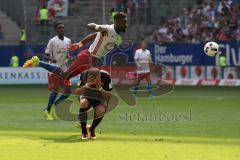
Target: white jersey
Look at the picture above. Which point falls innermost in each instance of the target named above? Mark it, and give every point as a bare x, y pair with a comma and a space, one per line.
102, 45
142, 59
56, 49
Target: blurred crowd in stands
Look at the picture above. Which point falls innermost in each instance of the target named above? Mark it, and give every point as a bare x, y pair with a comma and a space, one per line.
215, 20
1, 34
58, 8
48, 10
208, 20
128, 6
131, 6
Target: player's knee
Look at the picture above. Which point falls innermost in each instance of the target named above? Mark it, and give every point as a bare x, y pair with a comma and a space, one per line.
100, 111
84, 103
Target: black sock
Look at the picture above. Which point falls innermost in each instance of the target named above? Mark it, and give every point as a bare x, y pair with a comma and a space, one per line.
95, 123
83, 119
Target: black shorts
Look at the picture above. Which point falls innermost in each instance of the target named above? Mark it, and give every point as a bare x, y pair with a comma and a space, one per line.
93, 102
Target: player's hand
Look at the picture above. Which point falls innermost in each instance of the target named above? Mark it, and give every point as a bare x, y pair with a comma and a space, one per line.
98, 83
74, 46
89, 84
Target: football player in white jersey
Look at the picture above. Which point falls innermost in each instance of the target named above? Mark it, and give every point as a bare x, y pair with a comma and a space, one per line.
56, 54
143, 61
104, 41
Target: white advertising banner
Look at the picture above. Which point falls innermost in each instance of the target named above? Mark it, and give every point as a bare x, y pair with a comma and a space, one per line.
182, 72
231, 73
186, 82
213, 72
23, 76
197, 72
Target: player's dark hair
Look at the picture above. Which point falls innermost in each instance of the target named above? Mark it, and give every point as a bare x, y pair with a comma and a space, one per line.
119, 16
57, 23
112, 10
93, 72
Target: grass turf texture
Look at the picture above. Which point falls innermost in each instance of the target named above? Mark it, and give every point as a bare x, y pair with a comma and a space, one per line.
191, 123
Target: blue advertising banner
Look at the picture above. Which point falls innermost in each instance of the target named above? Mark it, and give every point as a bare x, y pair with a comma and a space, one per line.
180, 54
192, 54
170, 54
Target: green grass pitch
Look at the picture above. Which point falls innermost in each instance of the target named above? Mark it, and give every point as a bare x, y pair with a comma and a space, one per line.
191, 123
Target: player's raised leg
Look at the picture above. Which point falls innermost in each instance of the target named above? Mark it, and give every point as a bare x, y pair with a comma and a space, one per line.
83, 61
35, 62
81, 64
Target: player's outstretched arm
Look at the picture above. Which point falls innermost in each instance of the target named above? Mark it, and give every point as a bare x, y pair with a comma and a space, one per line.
84, 41
98, 28
81, 90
